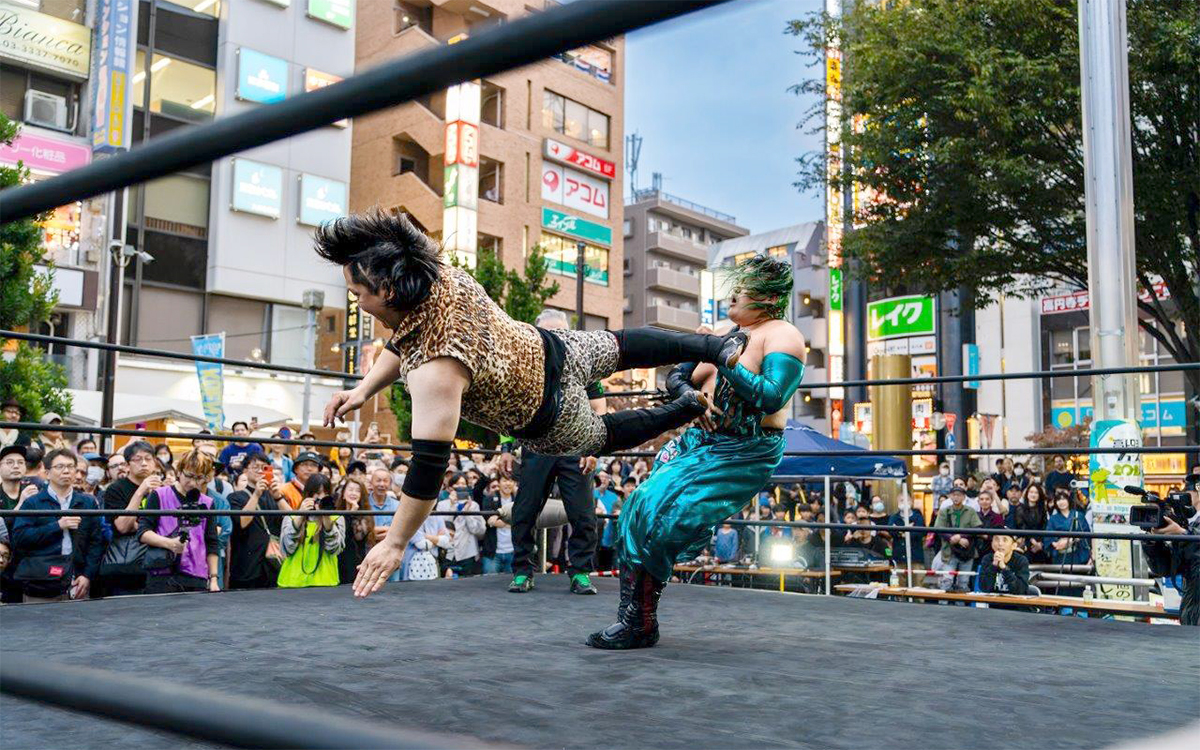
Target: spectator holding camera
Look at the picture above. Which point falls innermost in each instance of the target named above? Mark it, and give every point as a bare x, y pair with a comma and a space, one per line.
311, 543
1067, 517
306, 464
14, 491
121, 571
254, 555
1004, 570
1182, 559
463, 555
188, 557
59, 556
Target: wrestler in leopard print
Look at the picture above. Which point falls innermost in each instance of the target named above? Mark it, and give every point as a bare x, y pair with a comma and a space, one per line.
438, 311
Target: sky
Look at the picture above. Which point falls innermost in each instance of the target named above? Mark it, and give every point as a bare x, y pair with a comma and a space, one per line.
709, 95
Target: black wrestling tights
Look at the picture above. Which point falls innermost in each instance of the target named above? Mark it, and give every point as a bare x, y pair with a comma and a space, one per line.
632, 427
654, 347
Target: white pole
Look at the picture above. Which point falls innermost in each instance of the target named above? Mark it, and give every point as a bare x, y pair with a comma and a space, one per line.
1108, 181
828, 519
310, 352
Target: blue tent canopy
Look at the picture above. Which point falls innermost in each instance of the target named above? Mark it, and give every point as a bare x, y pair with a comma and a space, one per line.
801, 437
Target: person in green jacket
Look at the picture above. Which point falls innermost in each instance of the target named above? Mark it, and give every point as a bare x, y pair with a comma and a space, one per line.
958, 550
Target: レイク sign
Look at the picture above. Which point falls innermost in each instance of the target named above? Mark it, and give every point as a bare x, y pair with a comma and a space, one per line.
570, 155
257, 188
573, 226
900, 316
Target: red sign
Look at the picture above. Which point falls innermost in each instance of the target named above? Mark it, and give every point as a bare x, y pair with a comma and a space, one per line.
1065, 303
571, 155
462, 144
951, 418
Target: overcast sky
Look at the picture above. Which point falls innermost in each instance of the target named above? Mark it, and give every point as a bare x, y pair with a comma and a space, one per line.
708, 94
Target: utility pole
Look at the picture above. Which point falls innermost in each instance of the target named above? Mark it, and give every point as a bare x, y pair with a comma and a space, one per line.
579, 274
312, 301
1108, 179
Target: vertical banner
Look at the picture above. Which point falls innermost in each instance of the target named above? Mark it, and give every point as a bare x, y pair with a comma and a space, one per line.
461, 177
212, 378
1109, 474
113, 59
970, 360
351, 333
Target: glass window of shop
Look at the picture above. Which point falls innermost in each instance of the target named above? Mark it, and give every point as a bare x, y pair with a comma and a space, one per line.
562, 252
166, 318
178, 89
595, 61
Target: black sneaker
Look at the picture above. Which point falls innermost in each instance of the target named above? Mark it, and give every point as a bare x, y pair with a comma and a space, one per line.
521, 584
581, 584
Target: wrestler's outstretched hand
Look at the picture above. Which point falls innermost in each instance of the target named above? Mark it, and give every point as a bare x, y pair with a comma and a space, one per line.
340, 404
383, 560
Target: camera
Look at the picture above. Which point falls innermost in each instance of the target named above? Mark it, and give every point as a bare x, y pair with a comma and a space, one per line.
329, 502
1176, 506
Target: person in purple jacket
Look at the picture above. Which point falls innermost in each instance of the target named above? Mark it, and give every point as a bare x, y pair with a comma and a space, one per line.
191, 539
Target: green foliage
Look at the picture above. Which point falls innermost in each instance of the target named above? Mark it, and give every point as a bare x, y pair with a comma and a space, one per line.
527, 294
401, 405
491, 274
26, 300
971, 141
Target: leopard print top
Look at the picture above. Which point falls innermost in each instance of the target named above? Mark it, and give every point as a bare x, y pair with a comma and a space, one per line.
505, 359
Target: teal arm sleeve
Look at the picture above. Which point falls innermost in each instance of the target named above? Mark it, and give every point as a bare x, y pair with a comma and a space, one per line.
771, 389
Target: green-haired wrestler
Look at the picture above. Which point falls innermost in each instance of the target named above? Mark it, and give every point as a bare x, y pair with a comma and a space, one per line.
706, 475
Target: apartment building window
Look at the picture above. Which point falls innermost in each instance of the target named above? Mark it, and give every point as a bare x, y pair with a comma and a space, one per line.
492, 107
595, 61
573, 119
741, 258
409, 15
629, 227
491, 180
778, 251
58, 99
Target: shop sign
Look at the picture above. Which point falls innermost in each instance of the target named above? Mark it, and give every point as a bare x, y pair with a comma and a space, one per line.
573, 226
44, 41
340, 13
261, 78
257, 188
561, 152
116, 40
321, 199
574, 189
900, 316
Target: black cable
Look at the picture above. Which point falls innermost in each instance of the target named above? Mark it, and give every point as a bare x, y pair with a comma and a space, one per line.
525, 41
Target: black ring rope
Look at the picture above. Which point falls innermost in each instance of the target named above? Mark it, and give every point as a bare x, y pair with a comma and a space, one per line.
978, 531
525, 41
236, 720
37, 427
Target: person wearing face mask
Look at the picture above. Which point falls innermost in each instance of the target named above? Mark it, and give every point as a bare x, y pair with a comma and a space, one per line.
1020, 477
906, 515
942, 482
990, 517
463, 555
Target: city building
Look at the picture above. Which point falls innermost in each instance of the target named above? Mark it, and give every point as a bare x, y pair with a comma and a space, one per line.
222, 247
667, 243
804, 245
531, 156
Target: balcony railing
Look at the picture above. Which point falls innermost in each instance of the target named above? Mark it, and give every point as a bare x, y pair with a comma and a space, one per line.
673, 281
651, 193
678, 246
672, 317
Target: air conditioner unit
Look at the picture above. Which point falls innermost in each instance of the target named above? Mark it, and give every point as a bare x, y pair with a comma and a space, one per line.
46, 110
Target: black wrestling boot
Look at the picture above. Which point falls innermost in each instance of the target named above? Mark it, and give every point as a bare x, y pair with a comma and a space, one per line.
655, 347
637, 614
632, 427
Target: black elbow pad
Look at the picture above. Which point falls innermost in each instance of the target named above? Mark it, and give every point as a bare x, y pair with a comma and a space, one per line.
429, 462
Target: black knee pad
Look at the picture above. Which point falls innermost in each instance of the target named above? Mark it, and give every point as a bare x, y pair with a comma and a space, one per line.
425, 471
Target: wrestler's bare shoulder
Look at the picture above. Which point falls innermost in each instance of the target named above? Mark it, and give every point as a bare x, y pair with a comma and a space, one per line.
782, 336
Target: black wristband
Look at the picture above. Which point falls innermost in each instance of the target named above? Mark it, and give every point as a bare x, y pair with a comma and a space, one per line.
430, 458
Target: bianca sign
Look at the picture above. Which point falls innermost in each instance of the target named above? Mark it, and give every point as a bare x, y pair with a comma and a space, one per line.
44, 41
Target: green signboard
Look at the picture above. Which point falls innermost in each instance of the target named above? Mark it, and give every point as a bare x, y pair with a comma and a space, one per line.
897, 317
337, 12
835, 289
573, 226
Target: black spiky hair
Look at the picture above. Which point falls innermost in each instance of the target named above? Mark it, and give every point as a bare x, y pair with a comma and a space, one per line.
385, 253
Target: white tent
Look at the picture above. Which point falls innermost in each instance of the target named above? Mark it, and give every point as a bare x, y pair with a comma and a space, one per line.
134, 407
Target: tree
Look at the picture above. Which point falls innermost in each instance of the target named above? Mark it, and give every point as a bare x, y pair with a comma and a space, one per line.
525, 298
26, 300
968, 138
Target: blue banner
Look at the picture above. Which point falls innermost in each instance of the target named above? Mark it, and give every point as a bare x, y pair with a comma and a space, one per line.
261, 78
212, 378
971, 363
113, 59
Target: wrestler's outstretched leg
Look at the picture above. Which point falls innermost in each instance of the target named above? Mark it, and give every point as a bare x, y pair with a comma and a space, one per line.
655, 347
637, 612
630, 428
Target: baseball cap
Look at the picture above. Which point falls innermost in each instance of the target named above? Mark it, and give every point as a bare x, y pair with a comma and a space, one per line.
958, 491
307, 456
8, 449
50, 416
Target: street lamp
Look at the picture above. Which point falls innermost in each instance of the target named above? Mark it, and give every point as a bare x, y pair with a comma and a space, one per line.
312, 300
120, 254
